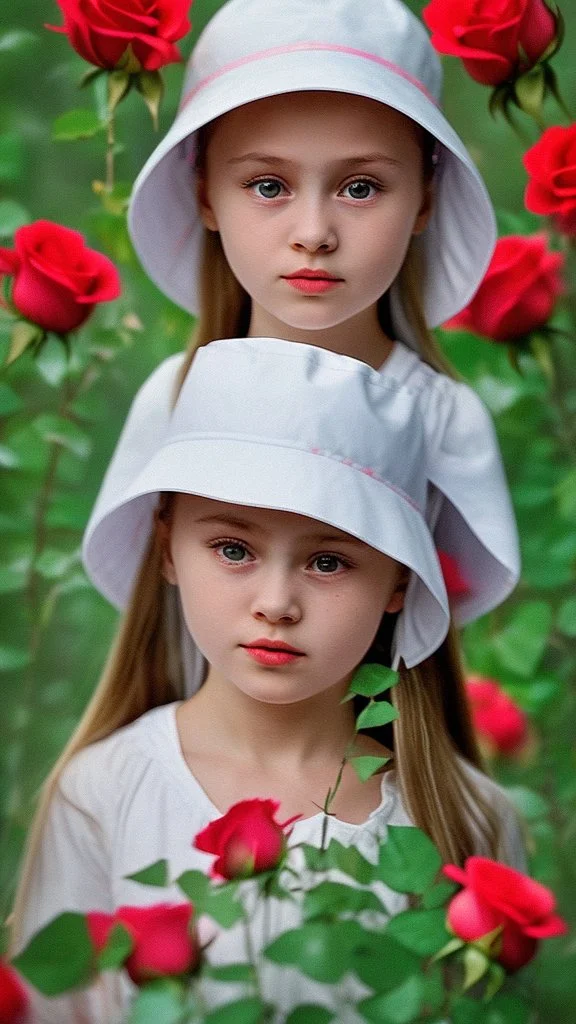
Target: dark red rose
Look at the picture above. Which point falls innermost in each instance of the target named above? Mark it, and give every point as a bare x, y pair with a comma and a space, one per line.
500, 723
164, 941
494, 896
497, 40
102, 30
551, 164
247, 839
519, 290
13, 998
58, 280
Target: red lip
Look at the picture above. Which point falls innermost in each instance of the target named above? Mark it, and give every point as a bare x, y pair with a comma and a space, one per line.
312, 275
272, 645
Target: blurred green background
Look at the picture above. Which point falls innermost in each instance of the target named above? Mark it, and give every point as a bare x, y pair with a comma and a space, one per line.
56, 630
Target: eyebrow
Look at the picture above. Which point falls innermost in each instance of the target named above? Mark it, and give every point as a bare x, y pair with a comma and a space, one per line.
244, 524
363, 158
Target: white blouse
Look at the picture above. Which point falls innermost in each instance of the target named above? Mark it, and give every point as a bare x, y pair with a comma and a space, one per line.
130, 800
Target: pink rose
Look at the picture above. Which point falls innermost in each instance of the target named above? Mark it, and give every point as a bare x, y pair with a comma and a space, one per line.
497, 40
551, 164
495, 716
58, 280
164, 941
13, 998
247, 839
494, 896
518, 292
102, 30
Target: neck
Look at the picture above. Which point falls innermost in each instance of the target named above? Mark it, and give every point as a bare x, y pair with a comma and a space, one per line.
361, 337
261, 733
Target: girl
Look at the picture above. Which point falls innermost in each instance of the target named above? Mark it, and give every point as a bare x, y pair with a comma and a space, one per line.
311, 189
280, 521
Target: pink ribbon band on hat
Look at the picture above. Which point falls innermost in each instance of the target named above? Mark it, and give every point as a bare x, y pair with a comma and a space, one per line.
277, 51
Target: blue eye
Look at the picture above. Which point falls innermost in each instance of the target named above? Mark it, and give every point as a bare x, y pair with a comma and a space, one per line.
361, 189
268, 188
233, 552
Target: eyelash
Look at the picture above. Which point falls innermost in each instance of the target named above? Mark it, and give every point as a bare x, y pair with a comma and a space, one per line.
266, 177
222, 542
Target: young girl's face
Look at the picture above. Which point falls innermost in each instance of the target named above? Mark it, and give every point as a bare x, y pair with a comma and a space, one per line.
250, 578
314, 181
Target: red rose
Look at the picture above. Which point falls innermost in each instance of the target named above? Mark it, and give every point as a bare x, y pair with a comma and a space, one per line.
518, 292
551, 163
13, 998
496, 718
495, 895
102, 30
497, 40
164, 942
57, 279
247, 839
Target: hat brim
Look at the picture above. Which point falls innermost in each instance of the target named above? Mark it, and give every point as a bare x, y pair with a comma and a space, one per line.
163, 217
365, 507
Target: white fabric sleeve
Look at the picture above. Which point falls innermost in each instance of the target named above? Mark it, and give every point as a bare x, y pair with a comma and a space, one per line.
71, 872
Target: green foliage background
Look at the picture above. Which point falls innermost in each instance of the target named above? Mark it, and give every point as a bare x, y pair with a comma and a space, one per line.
59, 427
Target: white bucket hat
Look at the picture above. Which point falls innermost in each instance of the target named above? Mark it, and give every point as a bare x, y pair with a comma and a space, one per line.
252, 49
328, 437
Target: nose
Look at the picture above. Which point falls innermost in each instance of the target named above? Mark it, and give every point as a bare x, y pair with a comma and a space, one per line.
313, 230
276, 600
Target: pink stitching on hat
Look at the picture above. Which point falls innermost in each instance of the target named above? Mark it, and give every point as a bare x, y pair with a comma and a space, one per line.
368, 471
277, 51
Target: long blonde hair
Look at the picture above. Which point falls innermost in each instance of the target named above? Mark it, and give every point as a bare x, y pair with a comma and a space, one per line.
433, 733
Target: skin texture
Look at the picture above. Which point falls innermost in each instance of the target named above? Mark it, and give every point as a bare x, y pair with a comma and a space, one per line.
310, 199
276, 728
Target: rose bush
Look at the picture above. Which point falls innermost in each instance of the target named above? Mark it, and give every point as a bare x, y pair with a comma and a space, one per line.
13, 998
246, 840
164, 941
497, 896
58, 280
519, 291
497, 40
500, 723
551, 164
101, 31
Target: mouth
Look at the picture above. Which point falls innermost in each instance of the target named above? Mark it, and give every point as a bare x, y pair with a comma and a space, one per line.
311, 275
272, 652
312, 282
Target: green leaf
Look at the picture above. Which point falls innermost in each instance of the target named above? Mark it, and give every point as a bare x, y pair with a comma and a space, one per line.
222, 905
331, 898
566, 617
230, 972
195, 885
467, 1011
243, 1011
382, 963
522, 642
366, 766
119, 83
321, 950
507, 1008
59, 957
310, 1013
400, 1006
350, 861
52, 362
11, 155
158, 1002
8, 458
476, 964
438, 894
117, 949
151, 86
17, 40
12, 658
22, 336
376, 713
372, 679
566, 496
531, 805
409, 861
53, 564
316, 859
58, 430
76, 124
10, 401
422, 931
154, 874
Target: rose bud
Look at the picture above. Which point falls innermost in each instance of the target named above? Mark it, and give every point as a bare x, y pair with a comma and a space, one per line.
13, 998
58, 280
519, 290
246, 840
551, 164
497, 896
164, 942
101, 31
497, 40
500, 723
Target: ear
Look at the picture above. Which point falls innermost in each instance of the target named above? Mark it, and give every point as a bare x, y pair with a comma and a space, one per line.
396, 602
207, 215
163, 539
425, 211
